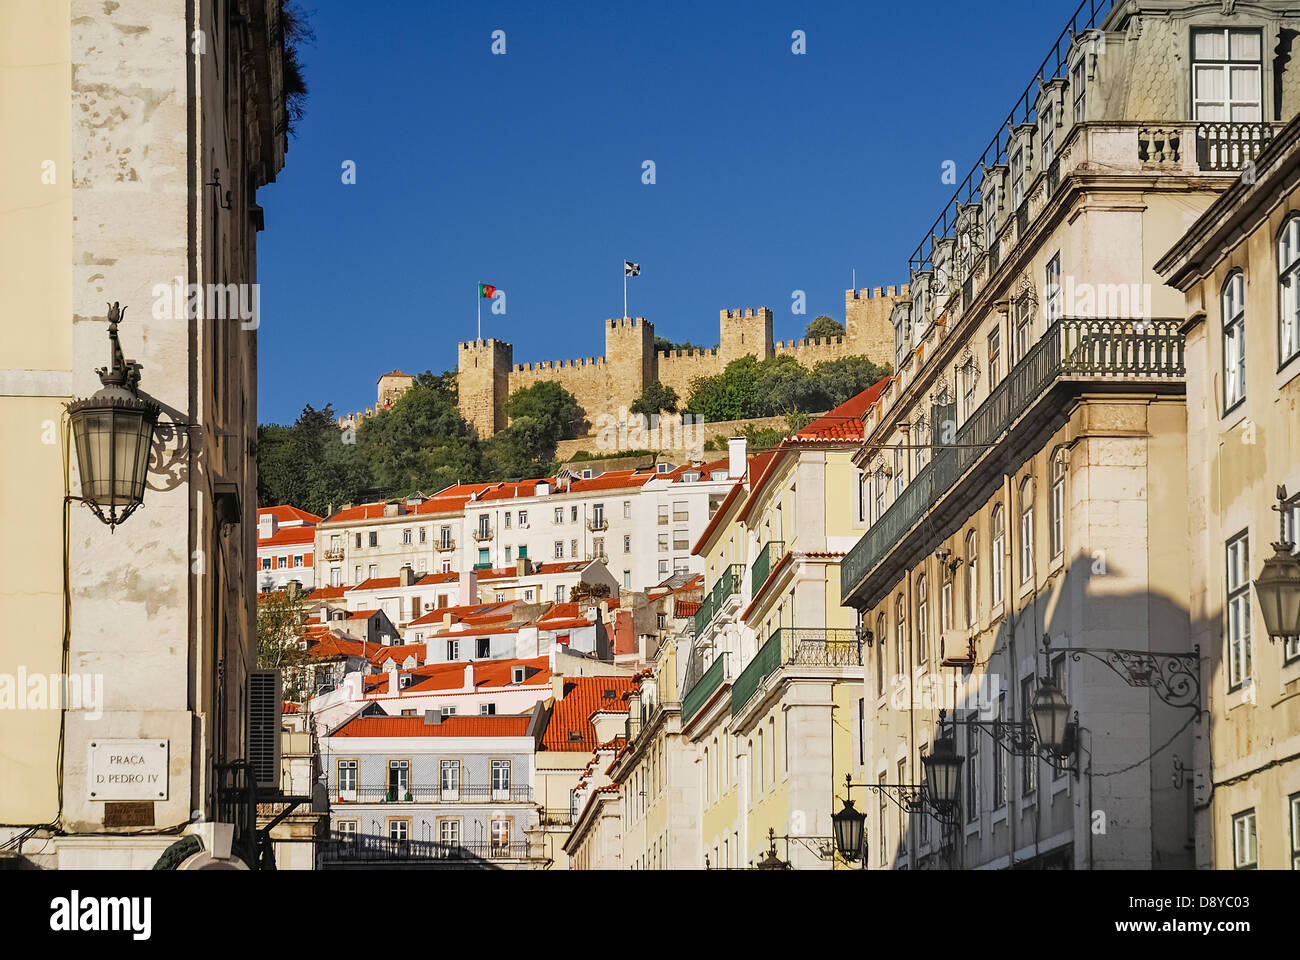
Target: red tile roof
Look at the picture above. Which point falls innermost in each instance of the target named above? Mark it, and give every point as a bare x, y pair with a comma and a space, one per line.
288, 514
330, 647
844, 423
287, 536
582, 697
288, 706
450, 677
327, 593
450, 727
686, 608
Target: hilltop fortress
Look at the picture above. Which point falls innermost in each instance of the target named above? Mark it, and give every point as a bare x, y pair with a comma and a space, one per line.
487, 373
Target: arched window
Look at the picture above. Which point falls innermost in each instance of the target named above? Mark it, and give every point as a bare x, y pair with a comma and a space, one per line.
922, 623
1056, 505
900, 635
1233, 304
1288, 301
880, 655
1027, 530
972, 581
998, 526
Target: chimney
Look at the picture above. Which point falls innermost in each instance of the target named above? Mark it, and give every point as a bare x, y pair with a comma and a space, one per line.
522, 567
446, 621
406, 577
324, 613
736, 458
469, 676
266, 526
432, 717
394, 687
468, 588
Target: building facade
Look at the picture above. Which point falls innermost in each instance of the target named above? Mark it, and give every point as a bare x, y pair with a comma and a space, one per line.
286, 539
138, 135
1026, 469
1237, 267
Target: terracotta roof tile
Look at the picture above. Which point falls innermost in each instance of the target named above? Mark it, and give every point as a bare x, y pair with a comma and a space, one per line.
456, 726
582, 697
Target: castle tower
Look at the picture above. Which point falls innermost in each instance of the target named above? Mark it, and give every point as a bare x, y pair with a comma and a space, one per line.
483, 383
867, 329
390, 387
747, 333
630, 355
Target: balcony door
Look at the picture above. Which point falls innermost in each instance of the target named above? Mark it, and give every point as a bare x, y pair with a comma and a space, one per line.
450, 779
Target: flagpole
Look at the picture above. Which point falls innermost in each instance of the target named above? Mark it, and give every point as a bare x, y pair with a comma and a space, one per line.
478, 300
624, 289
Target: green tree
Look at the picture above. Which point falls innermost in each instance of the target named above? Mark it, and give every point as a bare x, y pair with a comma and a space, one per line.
655, 398
846, 377
823, 327
555, 408
309, 464
729, 395
281, 616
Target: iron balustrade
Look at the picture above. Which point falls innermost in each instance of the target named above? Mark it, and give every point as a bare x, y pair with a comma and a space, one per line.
1228, 146
482, 533
345, 847
703, 688
763, 565
796, 646
1070, 349
434, 793
726, 586
766, 661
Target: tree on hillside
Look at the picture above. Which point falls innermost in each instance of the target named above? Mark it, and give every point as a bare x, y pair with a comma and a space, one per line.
823, 327
844, 378
729, 395
552, 406
654, 399
281, 616
664, 345
308, 464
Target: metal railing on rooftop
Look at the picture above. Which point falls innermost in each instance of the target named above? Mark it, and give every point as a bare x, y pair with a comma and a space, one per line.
1070, 349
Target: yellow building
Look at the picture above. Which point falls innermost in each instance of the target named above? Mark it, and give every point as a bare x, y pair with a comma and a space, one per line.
1239, 267
774, 677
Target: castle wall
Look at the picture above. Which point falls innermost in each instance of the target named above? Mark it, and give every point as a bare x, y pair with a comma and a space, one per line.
588, 379
679, 368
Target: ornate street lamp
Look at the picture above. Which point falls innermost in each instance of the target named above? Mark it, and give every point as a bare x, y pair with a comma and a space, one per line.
849, 831
770, 861
113, 434
942, 774
1050, 713
1277, 588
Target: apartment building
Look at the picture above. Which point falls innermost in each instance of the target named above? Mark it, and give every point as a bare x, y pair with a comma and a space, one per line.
775, 667
1025, 471
431, 791
639, 523
129, 176
286, 538
1238, 268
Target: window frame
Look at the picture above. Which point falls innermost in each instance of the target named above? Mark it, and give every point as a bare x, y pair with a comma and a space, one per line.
1288, 277
1233, 330
1237, 609
1238, 820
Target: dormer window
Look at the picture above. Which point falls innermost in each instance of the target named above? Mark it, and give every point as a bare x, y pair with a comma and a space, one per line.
517, 675
608, 695
662, 467
403, 682
718, 475
690, 476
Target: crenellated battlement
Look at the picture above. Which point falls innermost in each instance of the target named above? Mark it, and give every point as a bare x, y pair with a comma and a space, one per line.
757, 313
877, 293
558, 364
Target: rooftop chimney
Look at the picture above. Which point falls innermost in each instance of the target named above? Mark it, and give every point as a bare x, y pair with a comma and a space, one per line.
394, 687
406, 576
266, 526
736, 458
469, 676
468, 588
523, 567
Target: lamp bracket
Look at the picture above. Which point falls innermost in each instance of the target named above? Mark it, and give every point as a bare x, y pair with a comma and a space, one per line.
1173, 677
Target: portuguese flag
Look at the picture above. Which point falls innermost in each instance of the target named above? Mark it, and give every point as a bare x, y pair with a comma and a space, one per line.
487, 290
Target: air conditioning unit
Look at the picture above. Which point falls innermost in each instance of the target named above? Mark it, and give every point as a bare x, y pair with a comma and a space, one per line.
265, 701
428, 606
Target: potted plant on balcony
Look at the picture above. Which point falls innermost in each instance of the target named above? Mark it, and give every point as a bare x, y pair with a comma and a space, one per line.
407, 798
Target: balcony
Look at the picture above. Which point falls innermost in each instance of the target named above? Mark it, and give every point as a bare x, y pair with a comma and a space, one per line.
699, 692
482, 533
444, 545
763, 564
426, 793
333, 553
726, 587
1103, 354
597, 523
795, 646
1230, 146
352, 848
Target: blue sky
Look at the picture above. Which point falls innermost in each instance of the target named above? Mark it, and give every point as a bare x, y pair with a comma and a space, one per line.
775, 172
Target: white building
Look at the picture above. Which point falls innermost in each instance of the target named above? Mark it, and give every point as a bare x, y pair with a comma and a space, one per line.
285, 547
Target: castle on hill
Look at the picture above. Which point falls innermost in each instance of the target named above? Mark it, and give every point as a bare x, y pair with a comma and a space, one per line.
488, 375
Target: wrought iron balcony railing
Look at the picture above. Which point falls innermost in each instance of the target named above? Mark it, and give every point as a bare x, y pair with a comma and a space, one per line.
700, 691
434, 793
763, 564
333, 553
597, 523
482, 533
1071, 349
802, 646
448, 544
343, 848
726, 586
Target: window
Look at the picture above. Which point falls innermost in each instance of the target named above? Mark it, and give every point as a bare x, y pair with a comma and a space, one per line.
406, 535
681, 540
945, 600
923, 819
1238, 627
500, 779
1233, 303
995, 356
347, 779
1226, 72
453, 649
991, 217
573, 548
523, 521
997, 524
1000, 762
1295, 830
449, 832
663, 569
399, 778
627, 583
500, 835
972, 770
444, 538
282, 563
1079, 88
880, 493
1027, 530
598, 546
523, 551
862, 730
883, 812
297, 560
1023, 327
266, 563
1017, 178
1029, 764
348, 832
681, 511
373, 571
968, 374
358, 540
899, 463
506, 523
663, 514
972, 581
1056, 506
482, 648
1245, 852
922, 451
922, 623
336, 577
356, 574
597, 515
559, 549
559, 598
1288, 271
424, 534
559, 514
627, 543
1052, 289
1291, 534
399, 831
1047, 132
900, 635
449, 779
374, 539
627, 509
573, 513
528, 596
880, 655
